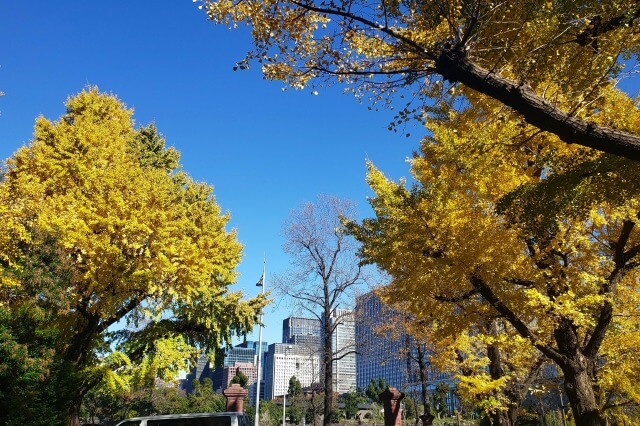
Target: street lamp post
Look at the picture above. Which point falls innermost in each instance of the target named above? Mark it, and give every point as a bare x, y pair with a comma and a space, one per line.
262, 283
284, 396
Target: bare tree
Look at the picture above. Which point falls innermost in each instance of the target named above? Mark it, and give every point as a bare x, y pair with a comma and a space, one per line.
325, 267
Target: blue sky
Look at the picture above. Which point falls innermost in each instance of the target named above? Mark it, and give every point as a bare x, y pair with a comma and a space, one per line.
264, 150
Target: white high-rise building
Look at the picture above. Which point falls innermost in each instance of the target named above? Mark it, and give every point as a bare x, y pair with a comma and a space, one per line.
284, 361
343, 345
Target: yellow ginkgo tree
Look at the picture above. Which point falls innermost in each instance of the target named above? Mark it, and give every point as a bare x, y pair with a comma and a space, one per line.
505, 222
144, 249
545, 60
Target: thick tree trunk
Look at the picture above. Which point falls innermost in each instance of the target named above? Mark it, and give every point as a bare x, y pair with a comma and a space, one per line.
578, 384
576, 363
496, 370
74, 414
578, 376
501, 418
75, 358
328, 366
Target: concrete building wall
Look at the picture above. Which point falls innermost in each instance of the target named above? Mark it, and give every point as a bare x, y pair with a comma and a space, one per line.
248, 369
343, 345
284, 361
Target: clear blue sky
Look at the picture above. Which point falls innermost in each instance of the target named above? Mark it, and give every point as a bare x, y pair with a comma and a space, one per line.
264, 150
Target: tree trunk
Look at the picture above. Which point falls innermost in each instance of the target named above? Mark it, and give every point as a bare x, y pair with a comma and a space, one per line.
578, 385
496, 370
74, 413
75, 359
575, 362
500, 418
578, 376
328, 364
427, 418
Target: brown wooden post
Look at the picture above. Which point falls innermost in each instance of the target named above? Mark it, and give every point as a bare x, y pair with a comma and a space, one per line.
390, 400
235, 395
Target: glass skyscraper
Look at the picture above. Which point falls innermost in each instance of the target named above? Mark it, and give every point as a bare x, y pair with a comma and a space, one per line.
385, 350
302, 331
378, 356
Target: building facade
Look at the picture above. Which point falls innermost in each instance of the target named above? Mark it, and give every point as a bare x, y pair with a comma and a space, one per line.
243, 354
249, 369
343, 345
302, 331
385, 350
378, 356
239, 354
284, 361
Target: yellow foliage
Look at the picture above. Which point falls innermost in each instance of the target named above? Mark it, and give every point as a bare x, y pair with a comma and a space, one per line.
502, 212
138, 241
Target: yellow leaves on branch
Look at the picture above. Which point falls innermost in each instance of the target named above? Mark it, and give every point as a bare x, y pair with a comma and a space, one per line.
541, 224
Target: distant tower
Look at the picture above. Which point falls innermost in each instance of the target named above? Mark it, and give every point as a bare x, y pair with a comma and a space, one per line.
343, 345
378, 356
302, 331
284, 361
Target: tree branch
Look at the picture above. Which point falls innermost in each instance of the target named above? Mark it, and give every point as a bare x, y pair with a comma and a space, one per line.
598, 27
384, 29
455, 66
620, 258
488, 294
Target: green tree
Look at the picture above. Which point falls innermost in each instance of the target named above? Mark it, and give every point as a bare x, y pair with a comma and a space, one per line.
270, 413
240, 378
294, 413
139, 240
439, 398
351, 401
171, 400
29, 369
295, 399
203, 399
375, 388
295, 387
410, 410
529, 55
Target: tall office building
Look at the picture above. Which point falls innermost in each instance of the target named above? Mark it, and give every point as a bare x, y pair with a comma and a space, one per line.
378, 356
284, 361
244, 353
302, 331
239, 354
254, 346
306, 334
382, 345
252, 387
201, 370
343, 345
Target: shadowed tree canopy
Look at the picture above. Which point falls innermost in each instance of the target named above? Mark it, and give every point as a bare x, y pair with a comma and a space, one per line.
545, 61
138, 242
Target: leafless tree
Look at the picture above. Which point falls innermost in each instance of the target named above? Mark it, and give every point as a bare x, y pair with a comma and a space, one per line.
325, 269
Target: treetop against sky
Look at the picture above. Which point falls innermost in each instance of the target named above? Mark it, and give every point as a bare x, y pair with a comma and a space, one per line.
264, 150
